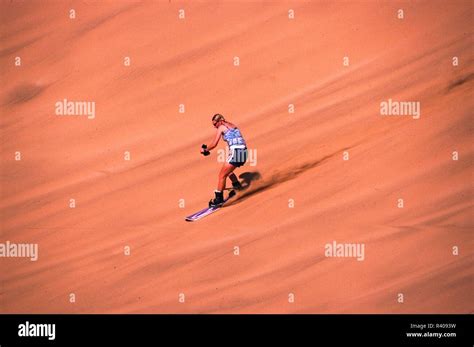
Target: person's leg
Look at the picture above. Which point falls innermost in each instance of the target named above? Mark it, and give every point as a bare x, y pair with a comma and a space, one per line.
237, 159
233, 178
235, 182
225, 171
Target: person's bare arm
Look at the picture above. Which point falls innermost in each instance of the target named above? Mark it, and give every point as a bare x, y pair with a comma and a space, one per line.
216, 139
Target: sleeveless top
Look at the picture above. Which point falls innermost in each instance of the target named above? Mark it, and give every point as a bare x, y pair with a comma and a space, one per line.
234, 138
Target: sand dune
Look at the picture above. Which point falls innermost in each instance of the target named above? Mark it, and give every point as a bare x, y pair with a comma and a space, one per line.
299, 156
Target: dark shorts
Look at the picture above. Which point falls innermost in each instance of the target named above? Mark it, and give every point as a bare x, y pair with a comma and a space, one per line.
237, 156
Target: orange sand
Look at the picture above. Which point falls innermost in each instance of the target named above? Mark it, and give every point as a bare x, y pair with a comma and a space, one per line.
300, 156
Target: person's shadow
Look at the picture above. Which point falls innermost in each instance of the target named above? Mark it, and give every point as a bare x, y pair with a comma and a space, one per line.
248, 177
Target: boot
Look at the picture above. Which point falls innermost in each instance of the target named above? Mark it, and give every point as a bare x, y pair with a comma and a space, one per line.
218, 200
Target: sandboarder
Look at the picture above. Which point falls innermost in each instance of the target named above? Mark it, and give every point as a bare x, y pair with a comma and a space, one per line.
237, 155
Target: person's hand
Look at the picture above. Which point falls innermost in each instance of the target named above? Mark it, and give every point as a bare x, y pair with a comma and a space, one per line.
204, 150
